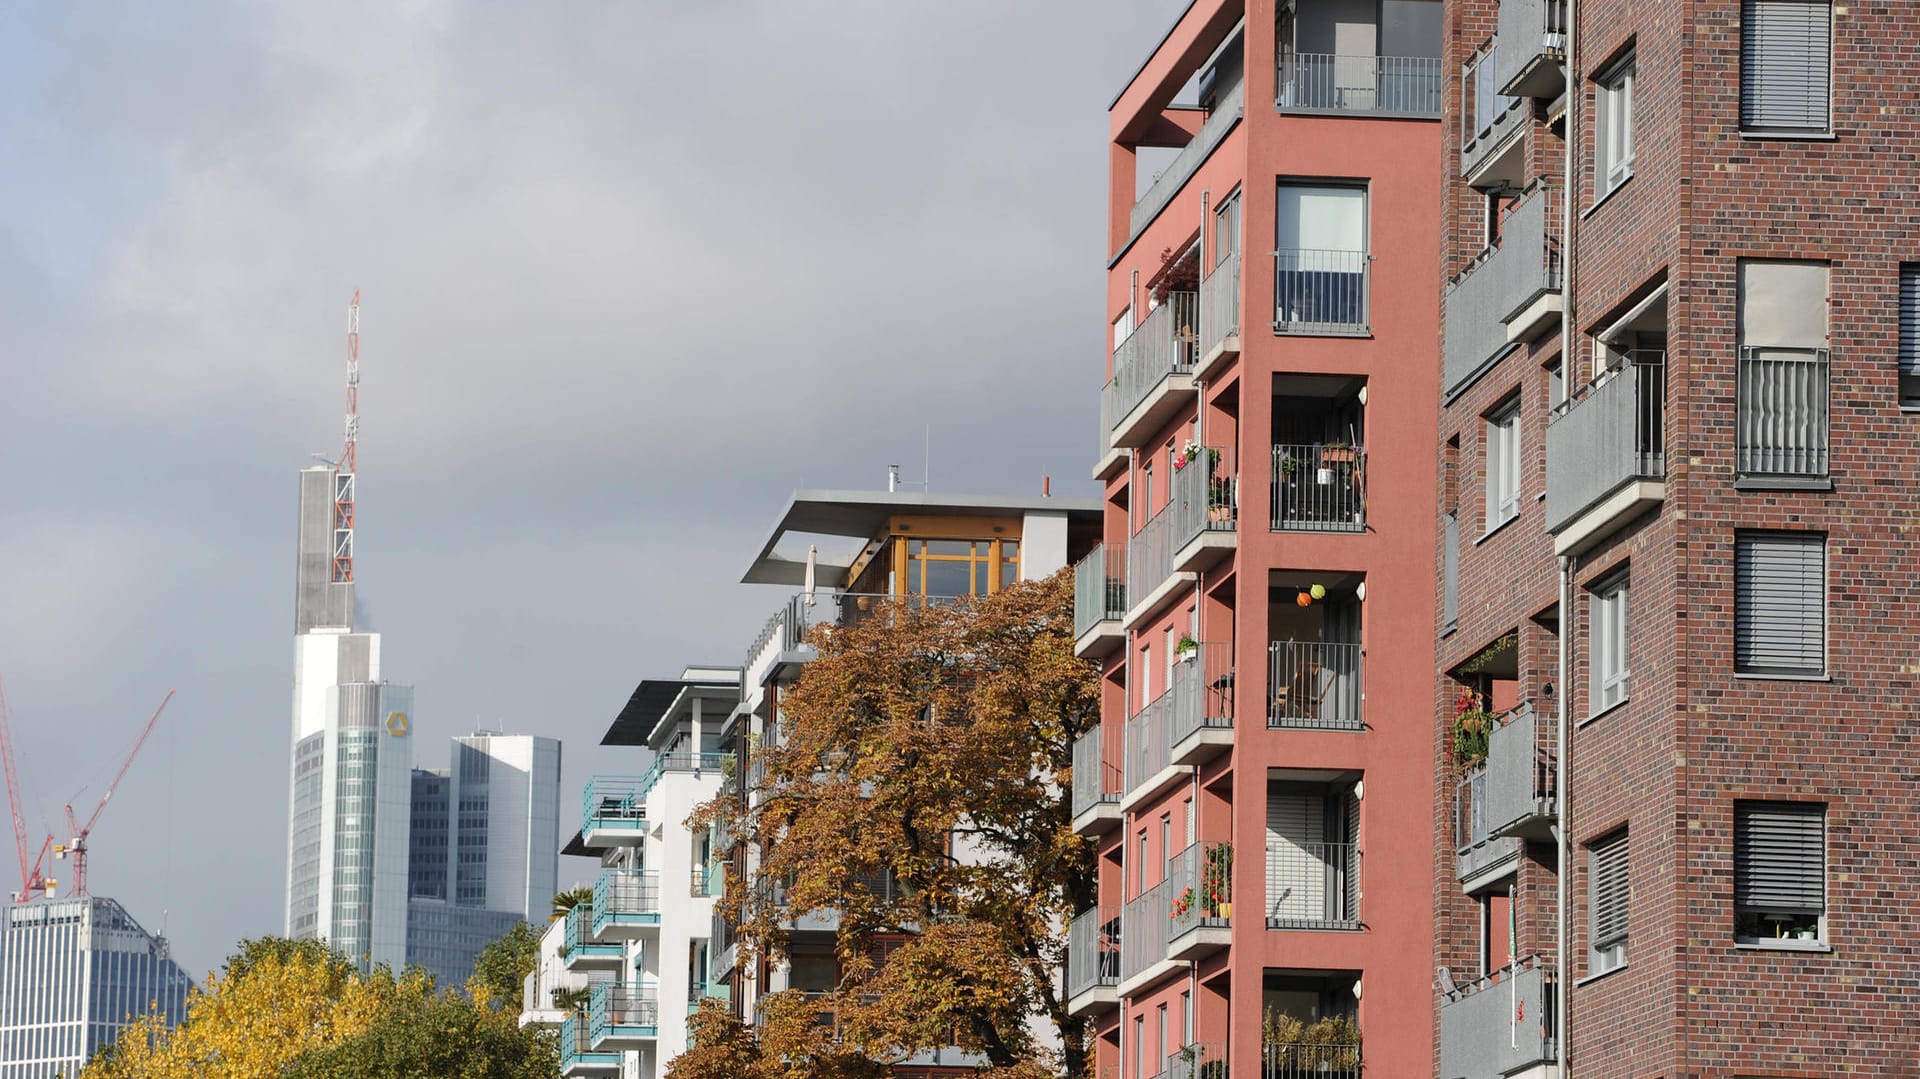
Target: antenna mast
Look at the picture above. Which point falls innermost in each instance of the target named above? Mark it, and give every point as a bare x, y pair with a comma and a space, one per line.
349, 454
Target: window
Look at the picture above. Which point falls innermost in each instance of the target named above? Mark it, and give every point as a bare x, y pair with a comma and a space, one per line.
1226, 229
1320, 260
1607, 901
1556, 385
1187, 811
1503, 464
1779, 873
1139, 1044
1780, 431
1168, 640
1780, 603
1608, 632
1146, 676
1186, 1017
1786, 58
1910, 335
956, 567
1122, 327
1162, 1018
1613, 127
1146, 492
1166, 842
1140, 877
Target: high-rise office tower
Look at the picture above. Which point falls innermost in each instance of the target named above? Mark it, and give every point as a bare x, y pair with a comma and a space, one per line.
72, 971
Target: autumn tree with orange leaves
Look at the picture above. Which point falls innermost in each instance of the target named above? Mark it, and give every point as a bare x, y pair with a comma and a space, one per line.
917, 784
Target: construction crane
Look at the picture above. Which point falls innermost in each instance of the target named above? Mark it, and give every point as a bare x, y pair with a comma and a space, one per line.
349, 454
31, 882
76, 847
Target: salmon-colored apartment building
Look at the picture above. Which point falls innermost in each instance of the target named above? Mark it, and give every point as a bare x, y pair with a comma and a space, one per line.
1263, 605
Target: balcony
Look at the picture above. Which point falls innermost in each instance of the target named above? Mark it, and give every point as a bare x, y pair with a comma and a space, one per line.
1147, 761
1153, 371
579, 950
1490, 142
777, 893
577, 1057
1316, 685
826, 1006
1096, 785
1200, 715
1205, 505
1509, 292
1143, 946
1197, 1060
722, 947
626, 903
1520, 779
1481, 856
613, 812
1312, 885
622, 1017
1501, 1024
1319, 488
1219, 317
1534, 62
1093, 961
1321, 292
1151, 579
709, 880
1199, 917
1606, 453
1100, 601
1230, 106
1303, 1060
1330, 83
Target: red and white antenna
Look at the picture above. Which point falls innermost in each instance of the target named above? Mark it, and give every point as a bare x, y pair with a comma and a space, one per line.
349, 454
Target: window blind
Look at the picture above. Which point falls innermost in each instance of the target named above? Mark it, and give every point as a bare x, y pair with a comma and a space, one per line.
1910, 318
1779, 856
1785, 58
1607, 866
1779, 602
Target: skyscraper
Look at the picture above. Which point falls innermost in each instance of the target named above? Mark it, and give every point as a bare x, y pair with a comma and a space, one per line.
72, 971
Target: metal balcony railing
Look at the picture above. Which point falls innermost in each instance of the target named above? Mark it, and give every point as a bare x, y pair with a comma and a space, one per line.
1319, 488
1501, 1024
1315, 684
621, 1011
625, 896
575, 1048
1093, 950
1197, 1060
1503, 282
1320, 291
1536, 35
1100, 587
577, 940
1306, 1061
1095, 780
613, 804
1521, 782
1312, 885
1205, 496
1199, 889
1220, 303
1140, 946
1150, 555
1166, 342
1331, 82
1201, 692
1485, 110
1147, 750
1781, 426
1470, 816
1608, 433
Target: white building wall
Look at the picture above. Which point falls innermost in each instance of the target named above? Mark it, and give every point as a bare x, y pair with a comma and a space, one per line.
1043, 545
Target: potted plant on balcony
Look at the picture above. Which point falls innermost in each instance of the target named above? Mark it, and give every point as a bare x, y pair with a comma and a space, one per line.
1182, 906
1186, 647
1472, 725
1219, 880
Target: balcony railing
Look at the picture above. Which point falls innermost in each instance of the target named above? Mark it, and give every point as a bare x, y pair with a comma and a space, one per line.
1100, 587
1307, 1061
1165, 343
1315, 684
1230, 103
1150, 554
1781, 425
1536, 35
1198, 1060
578, 943
1201, 692
1200, 889
1500, 1024
1093, 950
1205, 496
1487, 117
1312, 885
1520, 779
576, 1052
1220, 303
1503, 283
625, 897
1319, 291
1319, 488
1610, 433
1330, 82
1140, 950
614, 804
1095, 780
1147, 750
620, 1011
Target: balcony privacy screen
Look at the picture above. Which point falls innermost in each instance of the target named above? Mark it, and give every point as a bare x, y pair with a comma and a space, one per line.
1779, 602
1780, 856
1607, 870
1785, 62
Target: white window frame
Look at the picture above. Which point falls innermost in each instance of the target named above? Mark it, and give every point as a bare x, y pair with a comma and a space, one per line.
1503, 464
1613, 127
1607, 625
1610, 954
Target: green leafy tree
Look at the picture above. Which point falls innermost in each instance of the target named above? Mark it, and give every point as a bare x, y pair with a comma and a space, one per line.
502, 967
930, 747
421, 1034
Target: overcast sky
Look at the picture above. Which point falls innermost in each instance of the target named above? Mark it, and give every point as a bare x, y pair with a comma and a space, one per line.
631, 274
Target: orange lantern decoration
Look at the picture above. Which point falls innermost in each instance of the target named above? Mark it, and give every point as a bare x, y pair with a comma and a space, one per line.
1303, 600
